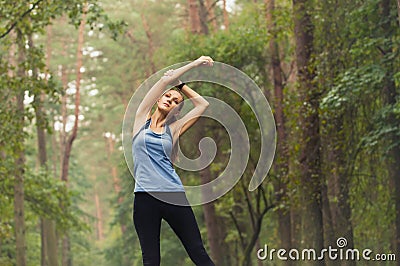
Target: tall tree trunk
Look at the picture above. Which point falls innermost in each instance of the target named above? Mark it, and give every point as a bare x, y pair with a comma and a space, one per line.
210, 6
394, 165
99, 222
63, 141
198, 16
390, 98
310, 165
398, 11
19, 215
213, 229
225, 15
203, 16
48, 234
72, 137
282, 166
56, 155
211, 220
194, 19
337, 213
335, 190
40, 136
151, 43
49, 225
338, 184
63, 133
66, 256
49, 238
327, 217
110, 142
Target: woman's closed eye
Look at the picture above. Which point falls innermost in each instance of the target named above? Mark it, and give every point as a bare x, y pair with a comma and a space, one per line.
169, 96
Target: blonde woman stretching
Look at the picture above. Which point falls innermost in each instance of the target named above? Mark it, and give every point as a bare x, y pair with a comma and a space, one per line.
156, 182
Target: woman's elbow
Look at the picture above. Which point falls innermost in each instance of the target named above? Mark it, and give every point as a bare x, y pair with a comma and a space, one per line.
204, 104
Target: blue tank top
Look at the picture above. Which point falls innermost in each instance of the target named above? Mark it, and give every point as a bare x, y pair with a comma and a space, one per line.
153, 170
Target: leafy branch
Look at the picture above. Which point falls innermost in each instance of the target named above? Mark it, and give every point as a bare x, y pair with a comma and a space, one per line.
20, 18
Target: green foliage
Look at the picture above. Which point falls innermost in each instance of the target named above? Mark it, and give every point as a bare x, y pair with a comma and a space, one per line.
46, 197
383, 128
353, 85
22, 76
41, 13
123, 249
357, 63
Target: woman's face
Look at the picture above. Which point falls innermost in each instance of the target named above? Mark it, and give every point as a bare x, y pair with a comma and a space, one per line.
169, 101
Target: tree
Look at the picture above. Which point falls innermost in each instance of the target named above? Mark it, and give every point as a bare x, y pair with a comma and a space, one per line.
47, 227
282, 167
28, 19
19, 195
66, 256
309, 161
390, 100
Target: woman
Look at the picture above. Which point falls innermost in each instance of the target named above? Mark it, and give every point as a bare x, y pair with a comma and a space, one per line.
159, 193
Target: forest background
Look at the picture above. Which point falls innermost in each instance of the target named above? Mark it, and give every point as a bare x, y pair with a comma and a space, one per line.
330, 70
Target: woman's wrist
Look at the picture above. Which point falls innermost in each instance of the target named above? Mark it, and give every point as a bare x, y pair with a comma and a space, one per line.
180, 86
194, 64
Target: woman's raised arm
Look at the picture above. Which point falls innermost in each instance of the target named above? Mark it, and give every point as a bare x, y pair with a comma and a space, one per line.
200, 105
159, 87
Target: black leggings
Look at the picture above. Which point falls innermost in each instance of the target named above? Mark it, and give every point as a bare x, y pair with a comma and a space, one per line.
147, 214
